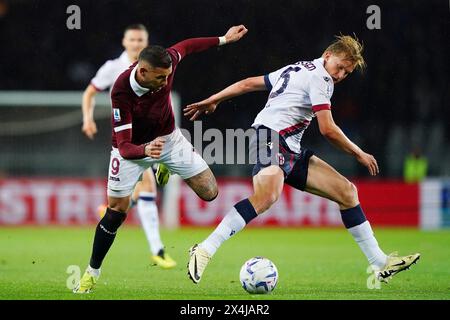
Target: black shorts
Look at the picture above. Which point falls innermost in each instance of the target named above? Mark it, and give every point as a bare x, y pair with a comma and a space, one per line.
268, 148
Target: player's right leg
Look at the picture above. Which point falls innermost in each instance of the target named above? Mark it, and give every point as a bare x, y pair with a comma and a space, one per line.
144, 196
122, 177
325, 181
268, 179
268, 185
101, 210
105, 234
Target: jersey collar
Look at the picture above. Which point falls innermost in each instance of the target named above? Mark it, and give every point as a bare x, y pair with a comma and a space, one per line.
320, 61
138, 90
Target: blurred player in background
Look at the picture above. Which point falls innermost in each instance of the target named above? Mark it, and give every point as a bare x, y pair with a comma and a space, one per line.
135, 39
298, 93
144, 133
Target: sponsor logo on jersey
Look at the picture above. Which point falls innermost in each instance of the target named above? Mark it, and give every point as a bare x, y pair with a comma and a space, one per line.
327, 79
114, 178
116, 115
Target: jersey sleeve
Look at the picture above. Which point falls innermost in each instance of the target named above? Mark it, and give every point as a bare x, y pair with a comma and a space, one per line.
320, 91
104, 78
123, 128
272, 78
176, 57
193, 45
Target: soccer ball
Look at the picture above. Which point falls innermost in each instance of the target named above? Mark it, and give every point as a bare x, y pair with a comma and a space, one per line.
258, 275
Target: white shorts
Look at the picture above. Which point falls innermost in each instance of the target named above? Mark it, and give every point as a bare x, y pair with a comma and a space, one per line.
178, 155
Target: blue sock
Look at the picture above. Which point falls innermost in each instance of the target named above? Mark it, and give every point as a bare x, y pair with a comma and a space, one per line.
233, 222
353, 216
356, 223
246, 210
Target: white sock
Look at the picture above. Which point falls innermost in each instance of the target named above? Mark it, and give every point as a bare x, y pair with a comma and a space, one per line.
93, 272
230, 224
365, 238
148, 213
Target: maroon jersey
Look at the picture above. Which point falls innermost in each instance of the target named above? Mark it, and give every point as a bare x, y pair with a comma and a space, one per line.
140, 115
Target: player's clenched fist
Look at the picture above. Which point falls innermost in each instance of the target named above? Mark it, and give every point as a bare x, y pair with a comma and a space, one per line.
235, 33
154, 148
89, 129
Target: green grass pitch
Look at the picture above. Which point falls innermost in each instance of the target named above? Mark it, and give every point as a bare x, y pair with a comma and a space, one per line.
312, 263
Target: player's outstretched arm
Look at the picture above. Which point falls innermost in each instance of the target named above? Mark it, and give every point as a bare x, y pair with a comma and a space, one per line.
334, 134
209, 105
87, 107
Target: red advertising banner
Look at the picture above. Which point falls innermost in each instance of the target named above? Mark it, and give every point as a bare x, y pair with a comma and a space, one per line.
75, 202
384, 203
50, 201
390, 203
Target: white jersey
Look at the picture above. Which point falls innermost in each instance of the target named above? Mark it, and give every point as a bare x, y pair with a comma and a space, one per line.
297, 91
110, 71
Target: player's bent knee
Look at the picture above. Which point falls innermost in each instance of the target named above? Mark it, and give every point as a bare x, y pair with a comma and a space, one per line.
349, 195
210, 195
119, 204
264, 206
263, 202
271, 199
120, 209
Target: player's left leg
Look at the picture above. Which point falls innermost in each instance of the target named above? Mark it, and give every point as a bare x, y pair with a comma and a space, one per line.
204, 184
325, 181
145, 193
268, 185
180, 158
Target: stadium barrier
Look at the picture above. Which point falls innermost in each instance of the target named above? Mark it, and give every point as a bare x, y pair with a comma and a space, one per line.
74, 201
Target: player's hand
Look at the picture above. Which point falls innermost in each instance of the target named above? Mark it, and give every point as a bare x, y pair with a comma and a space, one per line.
154, 148
196, 109
369, 161
89, 129
235, 33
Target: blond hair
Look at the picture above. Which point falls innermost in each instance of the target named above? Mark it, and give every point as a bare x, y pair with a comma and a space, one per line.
350, 47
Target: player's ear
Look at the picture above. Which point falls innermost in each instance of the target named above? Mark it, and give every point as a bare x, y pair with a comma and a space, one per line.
142, 71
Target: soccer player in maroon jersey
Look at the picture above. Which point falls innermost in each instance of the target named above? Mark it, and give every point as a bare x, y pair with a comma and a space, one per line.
144, 133
135, 38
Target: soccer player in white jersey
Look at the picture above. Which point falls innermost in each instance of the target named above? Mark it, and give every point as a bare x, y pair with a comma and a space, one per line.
135, 39
298, 93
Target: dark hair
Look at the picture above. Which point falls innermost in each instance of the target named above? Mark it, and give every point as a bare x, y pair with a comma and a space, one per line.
156, 56
137, 26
